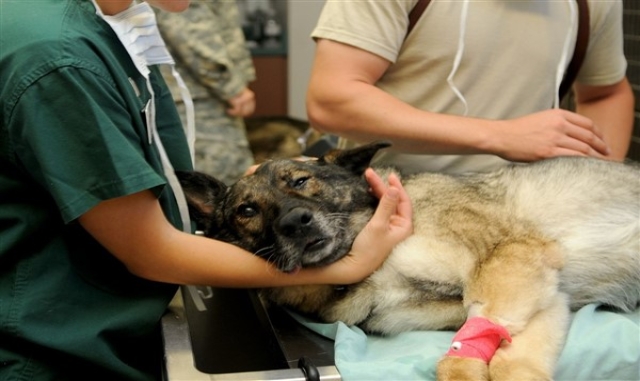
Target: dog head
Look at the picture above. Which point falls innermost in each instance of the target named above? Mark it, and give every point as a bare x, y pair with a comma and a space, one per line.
292, 213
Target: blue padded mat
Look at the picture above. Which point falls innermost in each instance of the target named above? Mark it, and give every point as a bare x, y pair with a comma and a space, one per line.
601, 345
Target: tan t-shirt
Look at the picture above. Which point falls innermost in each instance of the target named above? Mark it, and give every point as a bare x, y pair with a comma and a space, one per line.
511, 53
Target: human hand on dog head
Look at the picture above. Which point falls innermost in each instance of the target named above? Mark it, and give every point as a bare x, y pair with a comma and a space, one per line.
391, 224
251, 169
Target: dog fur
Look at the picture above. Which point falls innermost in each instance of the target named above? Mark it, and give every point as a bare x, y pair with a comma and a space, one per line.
520, 246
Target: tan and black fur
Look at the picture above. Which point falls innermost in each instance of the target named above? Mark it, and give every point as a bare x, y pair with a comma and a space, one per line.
520, 246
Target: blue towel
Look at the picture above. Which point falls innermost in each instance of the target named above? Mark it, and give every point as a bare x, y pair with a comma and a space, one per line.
601, 345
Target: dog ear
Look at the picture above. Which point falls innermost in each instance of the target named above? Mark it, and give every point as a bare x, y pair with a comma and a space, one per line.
202, 193
356, 159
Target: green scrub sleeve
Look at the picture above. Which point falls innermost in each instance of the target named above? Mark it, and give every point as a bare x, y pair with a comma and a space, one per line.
93, 150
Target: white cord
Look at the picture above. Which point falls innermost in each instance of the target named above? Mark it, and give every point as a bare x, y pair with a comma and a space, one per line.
562, 65
458, 58
190, 128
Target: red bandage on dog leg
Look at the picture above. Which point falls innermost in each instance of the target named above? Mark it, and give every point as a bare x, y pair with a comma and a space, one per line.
478, 338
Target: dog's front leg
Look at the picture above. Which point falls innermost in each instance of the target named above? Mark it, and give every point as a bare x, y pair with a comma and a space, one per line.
513, 292
473, 347
462, 369
534, 351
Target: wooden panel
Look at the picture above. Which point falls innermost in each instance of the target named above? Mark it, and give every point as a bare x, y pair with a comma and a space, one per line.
270, 85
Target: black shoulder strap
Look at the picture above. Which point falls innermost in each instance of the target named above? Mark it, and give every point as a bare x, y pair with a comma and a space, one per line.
415, 13
582, 41
579, 52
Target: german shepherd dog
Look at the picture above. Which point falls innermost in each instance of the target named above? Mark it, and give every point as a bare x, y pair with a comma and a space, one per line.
514, 249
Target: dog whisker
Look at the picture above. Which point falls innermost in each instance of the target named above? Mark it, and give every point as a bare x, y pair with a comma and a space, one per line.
269, 254
265, 251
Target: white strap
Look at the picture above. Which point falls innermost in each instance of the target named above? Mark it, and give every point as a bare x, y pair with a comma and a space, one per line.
168, 169
566, 53
190, 128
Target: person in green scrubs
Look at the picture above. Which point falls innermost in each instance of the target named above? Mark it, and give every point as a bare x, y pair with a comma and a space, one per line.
92, 245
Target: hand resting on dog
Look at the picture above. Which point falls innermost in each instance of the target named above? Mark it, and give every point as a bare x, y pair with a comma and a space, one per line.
392, 219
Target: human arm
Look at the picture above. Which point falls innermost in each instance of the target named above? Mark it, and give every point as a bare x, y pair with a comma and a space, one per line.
342, 99
133, 228
611, 109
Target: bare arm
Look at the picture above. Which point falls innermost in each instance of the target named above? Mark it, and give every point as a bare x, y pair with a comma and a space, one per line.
343, 100
134, 229
611, 109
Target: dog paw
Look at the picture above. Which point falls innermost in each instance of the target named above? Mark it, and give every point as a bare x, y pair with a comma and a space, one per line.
452, 368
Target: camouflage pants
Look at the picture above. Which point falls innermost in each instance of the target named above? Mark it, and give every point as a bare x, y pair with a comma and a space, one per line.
221, 148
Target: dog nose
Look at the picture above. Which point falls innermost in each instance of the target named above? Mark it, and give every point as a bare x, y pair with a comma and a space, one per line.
295, 222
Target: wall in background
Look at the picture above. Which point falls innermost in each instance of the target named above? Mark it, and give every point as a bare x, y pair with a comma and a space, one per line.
302, 18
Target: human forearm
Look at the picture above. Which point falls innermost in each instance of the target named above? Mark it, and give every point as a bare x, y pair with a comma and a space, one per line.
366, 117
549, 133
364, 113
342, 99
182, 258
611, 109
133, 228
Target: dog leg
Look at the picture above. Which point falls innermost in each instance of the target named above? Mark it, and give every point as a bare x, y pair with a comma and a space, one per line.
462, 369
512, 285
408, 316
534, 352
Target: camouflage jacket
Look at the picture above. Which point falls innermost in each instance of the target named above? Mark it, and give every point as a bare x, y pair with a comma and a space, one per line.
209, 48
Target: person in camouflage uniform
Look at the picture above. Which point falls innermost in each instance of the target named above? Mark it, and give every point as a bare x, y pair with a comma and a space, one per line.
211, 55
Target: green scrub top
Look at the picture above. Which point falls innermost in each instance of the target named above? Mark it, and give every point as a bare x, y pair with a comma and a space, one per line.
73, 134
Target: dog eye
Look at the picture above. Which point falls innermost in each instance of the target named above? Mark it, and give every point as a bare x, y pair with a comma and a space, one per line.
246, 211
299, 182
